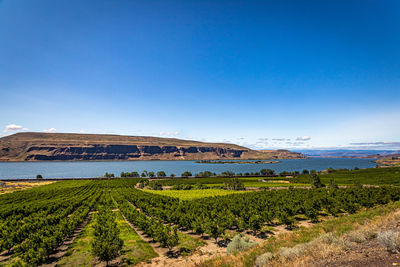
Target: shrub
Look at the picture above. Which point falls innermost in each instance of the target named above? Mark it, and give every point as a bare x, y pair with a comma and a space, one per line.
357, 236
239, 243
263, 259
39, 176
161, 174
155, 185
293, 252
186, 174
390, 240
109, 175
328, 238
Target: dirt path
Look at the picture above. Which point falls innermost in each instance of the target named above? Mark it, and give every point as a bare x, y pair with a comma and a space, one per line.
208, 251
61, 250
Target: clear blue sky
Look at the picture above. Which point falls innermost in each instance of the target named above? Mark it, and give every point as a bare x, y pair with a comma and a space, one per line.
247, 72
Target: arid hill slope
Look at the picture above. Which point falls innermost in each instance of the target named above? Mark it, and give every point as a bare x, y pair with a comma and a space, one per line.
62, 146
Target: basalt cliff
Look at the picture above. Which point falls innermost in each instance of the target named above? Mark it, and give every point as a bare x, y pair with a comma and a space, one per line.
65, 146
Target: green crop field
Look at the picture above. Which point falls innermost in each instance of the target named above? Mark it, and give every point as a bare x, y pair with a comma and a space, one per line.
35, 222
373, 176
193, 194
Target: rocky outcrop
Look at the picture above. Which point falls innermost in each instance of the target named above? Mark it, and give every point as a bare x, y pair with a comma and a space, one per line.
52, 146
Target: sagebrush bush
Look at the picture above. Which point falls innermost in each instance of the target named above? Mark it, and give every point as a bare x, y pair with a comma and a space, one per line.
390, 240
293, 252
263, 259
357, 236
239, 243
327, 238
370, 234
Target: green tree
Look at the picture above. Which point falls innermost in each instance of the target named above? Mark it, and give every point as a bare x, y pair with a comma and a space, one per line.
267, 172
144, 174
358, 184
332, 184
255, 223
316, 181
39, 176
186, 174
161, 174
172, 238
107, 243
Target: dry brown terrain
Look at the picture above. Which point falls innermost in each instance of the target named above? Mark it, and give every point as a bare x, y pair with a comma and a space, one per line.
63, 146
9, 187
389, 160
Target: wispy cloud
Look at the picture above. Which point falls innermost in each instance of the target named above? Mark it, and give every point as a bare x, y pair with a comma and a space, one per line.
14, 128
51, 130
375, 145
280, 139
303, 138
294, 143
176, 133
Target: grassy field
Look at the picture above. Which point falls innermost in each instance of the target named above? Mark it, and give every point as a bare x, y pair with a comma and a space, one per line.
79, 253
373, 176
263, 184
134, 250
193, 194
188, 244
213, 180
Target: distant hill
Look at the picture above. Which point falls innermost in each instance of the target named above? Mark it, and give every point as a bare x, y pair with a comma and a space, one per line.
64, 146
348, 153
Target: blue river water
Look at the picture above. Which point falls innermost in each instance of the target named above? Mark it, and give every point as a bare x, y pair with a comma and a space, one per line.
87, 169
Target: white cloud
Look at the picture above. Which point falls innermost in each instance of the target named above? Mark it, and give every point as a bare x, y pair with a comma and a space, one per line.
51, 130
82, 131
176, 133
303, 138
280, 139
14, 128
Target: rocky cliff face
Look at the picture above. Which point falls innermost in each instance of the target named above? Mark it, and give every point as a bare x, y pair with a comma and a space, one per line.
50, 146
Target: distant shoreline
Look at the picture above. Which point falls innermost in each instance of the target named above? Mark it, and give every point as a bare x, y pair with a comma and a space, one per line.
236, 162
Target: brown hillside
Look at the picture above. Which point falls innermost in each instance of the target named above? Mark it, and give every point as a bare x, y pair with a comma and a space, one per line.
65, 146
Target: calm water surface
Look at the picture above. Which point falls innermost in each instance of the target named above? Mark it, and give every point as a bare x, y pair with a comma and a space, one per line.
86, 169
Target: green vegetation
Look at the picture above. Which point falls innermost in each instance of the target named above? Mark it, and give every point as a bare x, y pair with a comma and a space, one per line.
334, 228
133, 251
129, 175
373, 176
107, 243
35, 222
194, 194
80, 252
108, 175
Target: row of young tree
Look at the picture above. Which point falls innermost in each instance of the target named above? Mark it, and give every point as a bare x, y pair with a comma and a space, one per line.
107, 243
253, 210
166, 235
38, 221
